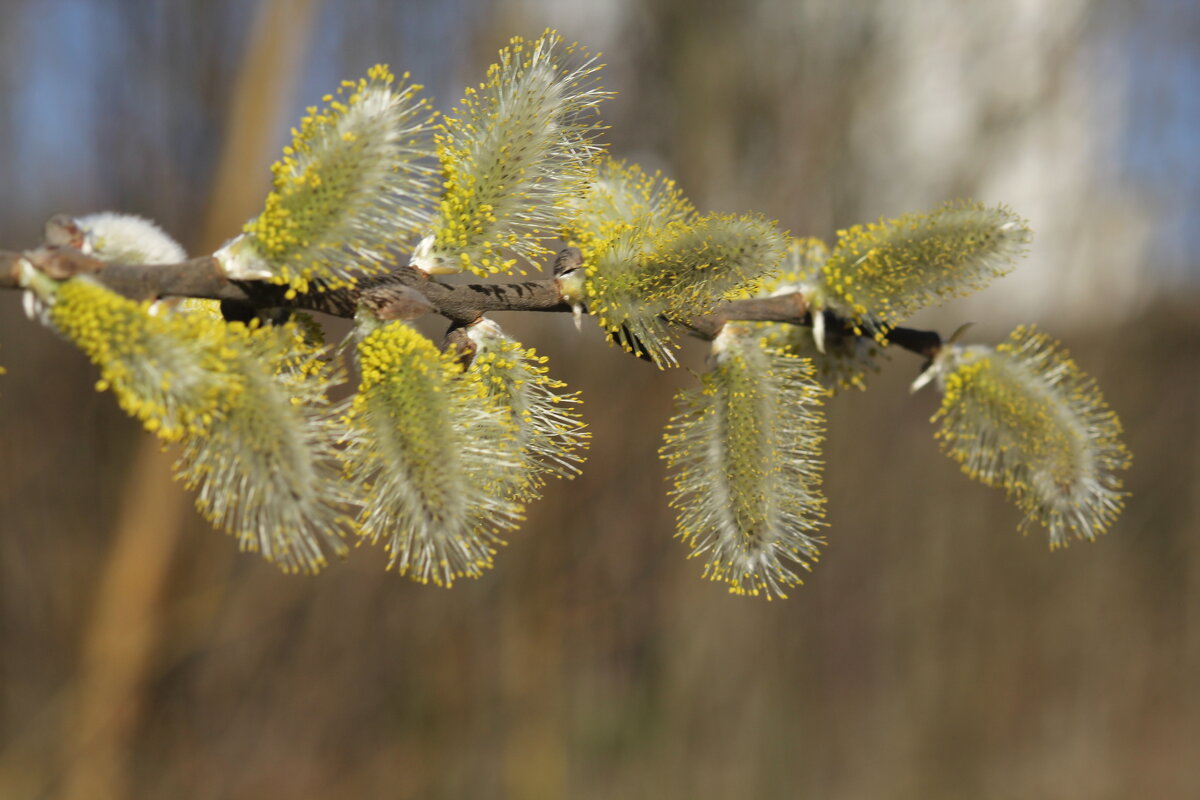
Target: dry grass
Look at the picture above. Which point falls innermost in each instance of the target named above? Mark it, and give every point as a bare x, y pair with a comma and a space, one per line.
933, 653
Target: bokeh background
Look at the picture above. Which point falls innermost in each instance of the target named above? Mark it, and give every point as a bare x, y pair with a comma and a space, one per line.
933, 653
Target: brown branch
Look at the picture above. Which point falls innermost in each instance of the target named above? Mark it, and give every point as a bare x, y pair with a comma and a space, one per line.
404, 293
923, 343
203, 278
791, 308
466, 303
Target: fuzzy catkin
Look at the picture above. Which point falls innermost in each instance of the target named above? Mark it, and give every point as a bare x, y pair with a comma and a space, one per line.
267, 470
879, 274
549, 430
645, 278
437, 462
744, 463
841, 358
513, 155
1023, 416
356, 179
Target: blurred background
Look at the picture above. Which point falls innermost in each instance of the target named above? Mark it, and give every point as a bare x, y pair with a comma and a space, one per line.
934, 652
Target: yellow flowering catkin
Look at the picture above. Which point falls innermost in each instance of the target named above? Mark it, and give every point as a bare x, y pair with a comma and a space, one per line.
1025, 417
437, 463
643, 278
513, 155
169, 372
357, 178
841, 359
881, 273
743, 454
244, 403
267, 471
549, 430
621, 197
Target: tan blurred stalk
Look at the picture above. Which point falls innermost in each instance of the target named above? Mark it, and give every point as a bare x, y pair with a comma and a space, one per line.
124, 629
127, 623
267, 80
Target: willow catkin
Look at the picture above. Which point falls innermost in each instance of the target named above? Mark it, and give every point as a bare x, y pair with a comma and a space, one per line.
513, 155
743, 455
437, 462
356, 179
1023, 416
549, 430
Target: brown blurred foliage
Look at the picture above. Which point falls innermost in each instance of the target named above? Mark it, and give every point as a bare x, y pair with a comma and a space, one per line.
932, 653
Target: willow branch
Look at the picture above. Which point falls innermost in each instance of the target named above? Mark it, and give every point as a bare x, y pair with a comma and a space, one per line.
403, 293
793, 309
203, 278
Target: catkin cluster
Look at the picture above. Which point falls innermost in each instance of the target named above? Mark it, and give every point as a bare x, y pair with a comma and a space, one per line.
437, 452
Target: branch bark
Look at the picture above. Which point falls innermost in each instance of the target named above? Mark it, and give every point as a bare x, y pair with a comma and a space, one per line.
402, 293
